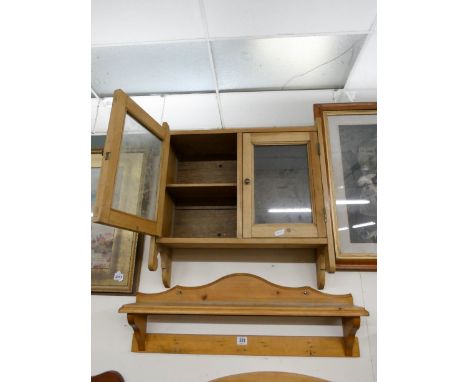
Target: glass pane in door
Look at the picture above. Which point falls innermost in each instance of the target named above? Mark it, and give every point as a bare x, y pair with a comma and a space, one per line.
281, 184
137, 179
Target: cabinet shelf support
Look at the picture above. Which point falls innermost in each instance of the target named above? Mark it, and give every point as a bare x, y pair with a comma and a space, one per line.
153, 255
320, 266
166, 265
166, 260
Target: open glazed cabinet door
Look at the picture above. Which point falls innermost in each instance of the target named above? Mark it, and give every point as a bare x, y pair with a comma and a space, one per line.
282, 185
135, 156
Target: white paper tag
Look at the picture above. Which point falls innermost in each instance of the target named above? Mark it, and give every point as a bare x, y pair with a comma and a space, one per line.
118, 276
279, 232
241, 340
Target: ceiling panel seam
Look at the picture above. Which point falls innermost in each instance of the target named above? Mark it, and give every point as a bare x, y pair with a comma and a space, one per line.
212, 64
94, 92
163, 108
98, 106
239, 37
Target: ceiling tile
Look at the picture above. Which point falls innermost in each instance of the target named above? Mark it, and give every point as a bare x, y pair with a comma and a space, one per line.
274, 108
124, 22
227, 18
152, 105
103, 115
192, 112
364, 73
94, 111
312, 62
151, 68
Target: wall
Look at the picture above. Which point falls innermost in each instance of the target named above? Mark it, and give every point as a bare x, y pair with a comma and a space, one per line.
111, 334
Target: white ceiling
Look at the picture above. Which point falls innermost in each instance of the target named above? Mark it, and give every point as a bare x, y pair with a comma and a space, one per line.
187, 46
140, 21
203, 56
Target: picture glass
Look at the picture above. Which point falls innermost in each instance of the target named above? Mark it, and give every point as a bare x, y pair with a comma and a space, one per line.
113, 251
102, 236
353, 146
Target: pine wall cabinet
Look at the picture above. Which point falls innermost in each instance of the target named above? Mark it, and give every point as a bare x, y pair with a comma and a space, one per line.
224, 188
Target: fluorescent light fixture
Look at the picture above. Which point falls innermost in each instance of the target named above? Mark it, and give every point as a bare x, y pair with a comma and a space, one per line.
352, 201
343, 229
284, 210
363, 224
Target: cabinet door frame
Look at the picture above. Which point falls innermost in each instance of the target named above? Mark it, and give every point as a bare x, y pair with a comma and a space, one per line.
317, 227
103, 212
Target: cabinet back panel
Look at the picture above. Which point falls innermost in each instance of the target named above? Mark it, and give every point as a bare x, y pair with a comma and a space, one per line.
201, 147
205, 222
222, 171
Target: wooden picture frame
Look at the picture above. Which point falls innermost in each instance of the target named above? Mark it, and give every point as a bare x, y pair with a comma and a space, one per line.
115, 253
348, 134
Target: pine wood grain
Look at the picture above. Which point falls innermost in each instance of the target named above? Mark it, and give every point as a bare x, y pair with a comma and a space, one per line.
214, 171
232, 294
244, 294
270, 376
266, 129
203, 194
195, 242
257, 345
205, 222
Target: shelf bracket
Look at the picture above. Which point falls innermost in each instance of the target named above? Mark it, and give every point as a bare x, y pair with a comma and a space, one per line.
166, 265
138, 323
153, 255
350, 327
320, 266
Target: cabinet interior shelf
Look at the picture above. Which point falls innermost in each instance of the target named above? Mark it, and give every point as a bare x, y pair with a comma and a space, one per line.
203, 194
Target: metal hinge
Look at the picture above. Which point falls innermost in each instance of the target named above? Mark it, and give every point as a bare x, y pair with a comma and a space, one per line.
318, 148
325, 215
107, 155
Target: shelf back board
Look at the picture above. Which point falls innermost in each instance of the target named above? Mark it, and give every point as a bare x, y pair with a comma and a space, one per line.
205, 147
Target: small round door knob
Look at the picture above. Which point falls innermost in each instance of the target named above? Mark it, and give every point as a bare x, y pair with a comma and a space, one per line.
246, 181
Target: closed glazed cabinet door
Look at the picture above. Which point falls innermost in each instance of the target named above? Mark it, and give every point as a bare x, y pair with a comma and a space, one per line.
282, 189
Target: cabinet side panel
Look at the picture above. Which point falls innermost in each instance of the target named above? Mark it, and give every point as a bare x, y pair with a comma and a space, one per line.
162, 182
330, 259
316, 185
239, 185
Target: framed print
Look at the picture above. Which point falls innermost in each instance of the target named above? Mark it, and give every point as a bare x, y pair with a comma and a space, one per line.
349, 135
114, 255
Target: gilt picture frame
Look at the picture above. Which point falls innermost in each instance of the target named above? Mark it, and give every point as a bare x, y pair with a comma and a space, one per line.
348, 133
115, 253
